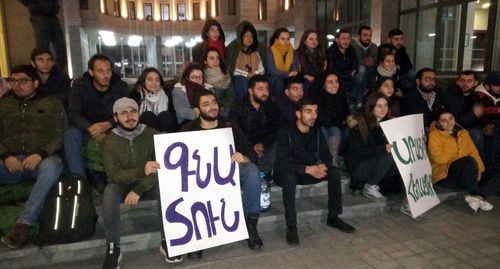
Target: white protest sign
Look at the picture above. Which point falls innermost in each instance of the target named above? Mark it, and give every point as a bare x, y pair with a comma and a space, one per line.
199, 190
409, 150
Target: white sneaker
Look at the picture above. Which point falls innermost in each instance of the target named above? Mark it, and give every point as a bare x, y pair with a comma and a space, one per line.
174, 259
372, 192
485, 205
473, 202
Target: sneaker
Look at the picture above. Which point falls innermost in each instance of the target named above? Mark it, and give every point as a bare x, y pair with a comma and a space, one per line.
16, 237
485, 205
174, 259
473, 202
372, 192
113, 257
292, 236
405, 209
337, 223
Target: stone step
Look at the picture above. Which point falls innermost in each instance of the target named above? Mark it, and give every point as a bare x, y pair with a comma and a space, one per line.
141, 232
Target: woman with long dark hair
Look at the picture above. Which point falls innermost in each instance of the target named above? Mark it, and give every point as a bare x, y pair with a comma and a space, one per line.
154, 107
213, 37
312, 60
368, 157
282, 62
217, 76
385, 85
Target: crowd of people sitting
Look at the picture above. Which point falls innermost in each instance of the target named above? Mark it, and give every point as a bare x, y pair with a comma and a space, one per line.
299, 116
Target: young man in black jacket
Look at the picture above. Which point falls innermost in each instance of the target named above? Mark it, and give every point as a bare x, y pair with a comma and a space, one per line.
303, 158
208, 111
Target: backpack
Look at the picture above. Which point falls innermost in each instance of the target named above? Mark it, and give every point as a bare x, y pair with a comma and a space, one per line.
69, 214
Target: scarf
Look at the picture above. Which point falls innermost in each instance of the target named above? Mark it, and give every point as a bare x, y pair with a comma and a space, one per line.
129, 135
283, 56
191, 90
218, 45
386, 73
216, 78
429, 97
154, 102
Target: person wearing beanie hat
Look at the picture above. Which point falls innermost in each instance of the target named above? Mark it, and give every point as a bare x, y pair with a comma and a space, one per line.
488, 94
129, 163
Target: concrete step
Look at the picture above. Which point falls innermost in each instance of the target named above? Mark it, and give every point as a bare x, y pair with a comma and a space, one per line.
141, 232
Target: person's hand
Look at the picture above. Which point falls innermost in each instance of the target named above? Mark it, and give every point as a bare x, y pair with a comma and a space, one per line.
100, 138
259, 149
369, 61
32, 161
316, 171
489, 129
239, 158
293, 74
98, 128
388, 147
13, 164
132, 199
399, 93
478, 110
309, 77
151, 167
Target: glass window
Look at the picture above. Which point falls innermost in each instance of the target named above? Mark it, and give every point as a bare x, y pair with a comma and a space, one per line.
181, 11
84, 4
196, 10
116, 8
408, 23
262, 10
131, 10
477, 36
231, 7
407, 4
148, 11
427, 2
449, 25
426, 36
165, 12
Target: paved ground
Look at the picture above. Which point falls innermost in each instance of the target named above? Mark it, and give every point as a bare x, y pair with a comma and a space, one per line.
448, 236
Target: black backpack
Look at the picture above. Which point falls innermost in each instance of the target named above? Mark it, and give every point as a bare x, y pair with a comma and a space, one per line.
69, 214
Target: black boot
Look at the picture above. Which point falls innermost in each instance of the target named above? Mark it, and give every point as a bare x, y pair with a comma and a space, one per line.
254, 241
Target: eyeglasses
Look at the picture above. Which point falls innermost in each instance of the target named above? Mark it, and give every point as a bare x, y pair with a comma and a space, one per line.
21, 81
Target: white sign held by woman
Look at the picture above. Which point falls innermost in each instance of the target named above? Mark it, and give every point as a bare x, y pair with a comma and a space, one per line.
407, 137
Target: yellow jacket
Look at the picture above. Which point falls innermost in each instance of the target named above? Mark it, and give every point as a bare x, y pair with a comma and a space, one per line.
444, 149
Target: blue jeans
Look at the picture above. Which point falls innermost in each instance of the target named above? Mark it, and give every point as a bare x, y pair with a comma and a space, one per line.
250, 185
46, 174
240, 85
276, 86
73, 150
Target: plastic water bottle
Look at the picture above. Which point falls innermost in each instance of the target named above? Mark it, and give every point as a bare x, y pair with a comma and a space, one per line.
265, 193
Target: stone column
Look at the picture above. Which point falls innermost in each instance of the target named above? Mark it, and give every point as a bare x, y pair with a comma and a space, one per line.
384, 16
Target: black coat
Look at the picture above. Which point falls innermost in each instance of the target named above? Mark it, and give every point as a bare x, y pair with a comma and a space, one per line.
342, 64
332, 109
413, 103
296, 150
461, 106
359, 150
260, 126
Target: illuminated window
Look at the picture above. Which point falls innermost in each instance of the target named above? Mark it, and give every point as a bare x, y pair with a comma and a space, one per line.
148, 11
181, 11
165, 12
196, 10
116, 8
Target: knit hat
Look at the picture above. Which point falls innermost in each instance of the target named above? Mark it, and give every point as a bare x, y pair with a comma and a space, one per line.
124, 104
493, 78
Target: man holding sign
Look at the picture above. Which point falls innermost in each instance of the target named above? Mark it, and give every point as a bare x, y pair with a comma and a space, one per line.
208, 109
128, 155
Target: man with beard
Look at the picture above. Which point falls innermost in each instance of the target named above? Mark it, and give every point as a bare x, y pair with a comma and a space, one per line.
53, 79
366, 53
303, 158
90, 112
425, 98
488, 95
259, 118
342, 60
208, 109
468, 113
128, 154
